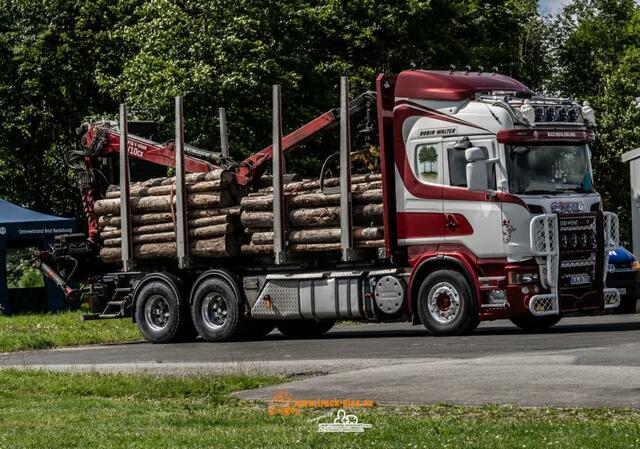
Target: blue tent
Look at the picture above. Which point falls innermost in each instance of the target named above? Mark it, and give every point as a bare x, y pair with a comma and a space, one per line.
24, 228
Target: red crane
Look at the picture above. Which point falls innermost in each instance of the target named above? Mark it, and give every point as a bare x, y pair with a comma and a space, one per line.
102, 139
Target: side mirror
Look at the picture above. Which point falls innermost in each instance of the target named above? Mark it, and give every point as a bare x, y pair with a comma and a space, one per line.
477, 173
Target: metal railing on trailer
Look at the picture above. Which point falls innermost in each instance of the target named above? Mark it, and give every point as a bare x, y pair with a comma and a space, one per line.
279, 205
120, 307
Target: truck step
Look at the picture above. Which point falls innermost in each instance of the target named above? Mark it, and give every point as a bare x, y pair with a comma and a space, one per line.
98, 316
112, 310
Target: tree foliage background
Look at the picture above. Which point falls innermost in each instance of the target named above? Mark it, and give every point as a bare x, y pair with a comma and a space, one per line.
61, 61
595, 52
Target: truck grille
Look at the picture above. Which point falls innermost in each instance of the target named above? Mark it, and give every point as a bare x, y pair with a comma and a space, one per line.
580, 273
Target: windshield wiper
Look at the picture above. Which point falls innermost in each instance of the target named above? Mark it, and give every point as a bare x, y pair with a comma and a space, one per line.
554, 191
576, 189
540, 192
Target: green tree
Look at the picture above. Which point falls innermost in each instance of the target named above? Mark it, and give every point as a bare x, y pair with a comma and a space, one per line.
229, 53
62, 61
596, 45
49, 51
427, 155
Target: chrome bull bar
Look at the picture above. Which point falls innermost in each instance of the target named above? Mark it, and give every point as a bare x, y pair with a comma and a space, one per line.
544, 238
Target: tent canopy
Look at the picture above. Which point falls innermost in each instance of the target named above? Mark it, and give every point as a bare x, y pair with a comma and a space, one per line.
19, 223
20, 226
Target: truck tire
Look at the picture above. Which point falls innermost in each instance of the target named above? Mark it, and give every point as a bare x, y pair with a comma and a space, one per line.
304, 328
216, 311
159, 314
446, 305
532, 323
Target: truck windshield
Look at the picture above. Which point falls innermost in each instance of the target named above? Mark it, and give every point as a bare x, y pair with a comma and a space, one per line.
549, 169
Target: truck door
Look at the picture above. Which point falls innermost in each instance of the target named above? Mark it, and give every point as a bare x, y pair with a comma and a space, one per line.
419, 193
472, 219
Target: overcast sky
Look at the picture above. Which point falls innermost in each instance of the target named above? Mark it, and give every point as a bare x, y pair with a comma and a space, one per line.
554, 6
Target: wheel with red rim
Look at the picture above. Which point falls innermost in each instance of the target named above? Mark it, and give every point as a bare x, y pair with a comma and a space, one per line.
446, 305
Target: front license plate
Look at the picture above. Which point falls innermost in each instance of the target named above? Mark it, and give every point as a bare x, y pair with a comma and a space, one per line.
579, 279
623, 291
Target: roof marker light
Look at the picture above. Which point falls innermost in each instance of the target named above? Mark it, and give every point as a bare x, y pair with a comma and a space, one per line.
551, 115
528, 112
589, 114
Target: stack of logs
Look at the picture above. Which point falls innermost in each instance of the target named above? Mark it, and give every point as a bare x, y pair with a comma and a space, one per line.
313, 216
219, 227
213, 221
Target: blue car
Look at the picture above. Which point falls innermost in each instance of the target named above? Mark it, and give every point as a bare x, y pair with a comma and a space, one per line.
624, 274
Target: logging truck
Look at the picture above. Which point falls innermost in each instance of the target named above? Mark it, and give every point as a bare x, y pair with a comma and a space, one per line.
469, 198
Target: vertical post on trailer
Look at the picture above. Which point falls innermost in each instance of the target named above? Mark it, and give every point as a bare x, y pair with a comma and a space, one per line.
126, 242
182, 236
279, 251
224, 139
346, 219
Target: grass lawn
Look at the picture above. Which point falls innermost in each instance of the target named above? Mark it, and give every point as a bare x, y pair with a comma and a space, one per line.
24, 332
45, 410
53, 330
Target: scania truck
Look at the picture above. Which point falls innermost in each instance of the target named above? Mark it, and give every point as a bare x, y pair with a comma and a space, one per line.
489, 212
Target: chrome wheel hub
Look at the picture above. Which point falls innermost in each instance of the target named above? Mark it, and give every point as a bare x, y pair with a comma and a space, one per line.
444, 302
214, 311
156, 312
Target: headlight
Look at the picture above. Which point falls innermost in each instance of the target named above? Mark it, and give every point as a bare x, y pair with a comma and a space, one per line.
523, 278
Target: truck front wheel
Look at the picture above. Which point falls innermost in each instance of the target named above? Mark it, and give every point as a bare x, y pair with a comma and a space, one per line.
159, 314
446, 305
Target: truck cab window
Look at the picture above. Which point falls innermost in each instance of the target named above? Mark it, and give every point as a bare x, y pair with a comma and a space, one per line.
427, 162
552, 169
458, 168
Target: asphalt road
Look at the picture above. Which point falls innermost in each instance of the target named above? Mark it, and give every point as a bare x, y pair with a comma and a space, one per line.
591, 361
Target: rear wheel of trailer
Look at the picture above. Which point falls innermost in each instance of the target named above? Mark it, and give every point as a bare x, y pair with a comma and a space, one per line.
160, 312
218, 312
216, 309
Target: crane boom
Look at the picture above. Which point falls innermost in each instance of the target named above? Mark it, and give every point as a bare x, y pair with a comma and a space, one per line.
253, 166
101, 139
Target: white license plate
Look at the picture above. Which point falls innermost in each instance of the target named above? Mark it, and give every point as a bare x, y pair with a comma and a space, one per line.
623, 291
579, 279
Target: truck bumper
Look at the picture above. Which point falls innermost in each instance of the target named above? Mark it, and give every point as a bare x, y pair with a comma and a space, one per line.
628, 284
548, 303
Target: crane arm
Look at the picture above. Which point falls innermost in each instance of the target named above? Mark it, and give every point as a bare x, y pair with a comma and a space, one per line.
101, 139
253, 166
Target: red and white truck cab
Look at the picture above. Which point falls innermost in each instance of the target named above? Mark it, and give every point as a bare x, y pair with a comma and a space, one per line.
497, 183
